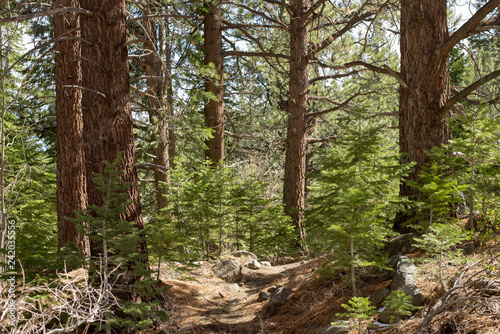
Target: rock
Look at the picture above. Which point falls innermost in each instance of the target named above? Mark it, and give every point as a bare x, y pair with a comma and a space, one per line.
277, 300
253, 264
228, 270
404, 274
379, 296
272, 290
266, 263
199, 263
263, 295
402, 244
243, 253
388, 317
417, 296
233, 288
338, 327
468, 248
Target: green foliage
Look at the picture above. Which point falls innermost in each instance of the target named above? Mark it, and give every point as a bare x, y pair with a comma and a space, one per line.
354, 197
476, 153
439, 241
438, 191
118, 242
211, 212
399, 305
359, 309
441, 238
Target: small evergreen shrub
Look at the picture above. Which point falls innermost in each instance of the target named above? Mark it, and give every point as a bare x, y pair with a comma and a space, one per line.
360, 310
399, 305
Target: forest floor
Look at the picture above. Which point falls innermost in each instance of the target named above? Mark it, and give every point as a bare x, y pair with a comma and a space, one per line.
201, 303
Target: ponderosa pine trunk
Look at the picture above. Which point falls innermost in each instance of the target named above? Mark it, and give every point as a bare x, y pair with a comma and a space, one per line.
295, 157
425, 70
214, 108
71, 180
106, 103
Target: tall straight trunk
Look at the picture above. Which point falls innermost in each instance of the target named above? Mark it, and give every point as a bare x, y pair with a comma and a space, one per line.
106, 103
170, 98
71, 179
295, 159
425, 71
214, 109
158, 114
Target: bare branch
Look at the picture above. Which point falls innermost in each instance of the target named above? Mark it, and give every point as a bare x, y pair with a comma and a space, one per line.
466, 28
384, 70
334, 76
321, 140
256, 12
355, 19
312, 9
151, 166
469, 89
147, 17
338, 107
46, 13
254, 54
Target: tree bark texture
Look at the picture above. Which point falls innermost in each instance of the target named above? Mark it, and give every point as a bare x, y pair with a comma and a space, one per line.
214, 109
425, 70
295, 157
106, 102
158, 114
71, 179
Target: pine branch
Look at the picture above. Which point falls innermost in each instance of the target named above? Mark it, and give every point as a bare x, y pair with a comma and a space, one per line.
469, 89
48, 12
355, 19
469, 26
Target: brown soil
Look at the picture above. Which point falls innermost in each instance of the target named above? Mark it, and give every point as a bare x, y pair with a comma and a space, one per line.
203, 303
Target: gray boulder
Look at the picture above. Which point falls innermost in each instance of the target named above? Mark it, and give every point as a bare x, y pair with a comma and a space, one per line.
468, 248
402, 244
417, 296
228, 270
379, 296
279, 296
339, 327
388, 317
253, 264
263, 295
266, 263
405, 273
243, 253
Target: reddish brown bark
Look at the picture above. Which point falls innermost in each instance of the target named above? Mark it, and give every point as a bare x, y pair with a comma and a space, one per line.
214, 109
71, 181
425, 70
106, 105
295, 159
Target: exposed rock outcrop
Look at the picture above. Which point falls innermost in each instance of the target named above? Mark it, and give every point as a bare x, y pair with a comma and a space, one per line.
228, 270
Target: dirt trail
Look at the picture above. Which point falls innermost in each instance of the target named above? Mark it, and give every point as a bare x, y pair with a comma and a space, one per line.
203, 303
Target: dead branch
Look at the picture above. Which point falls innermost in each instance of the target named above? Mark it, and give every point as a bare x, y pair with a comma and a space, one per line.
48, 12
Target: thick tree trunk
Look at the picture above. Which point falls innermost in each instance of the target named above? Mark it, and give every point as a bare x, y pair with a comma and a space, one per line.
425, 71
214, 109
106, 105
71, 181
295, 159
